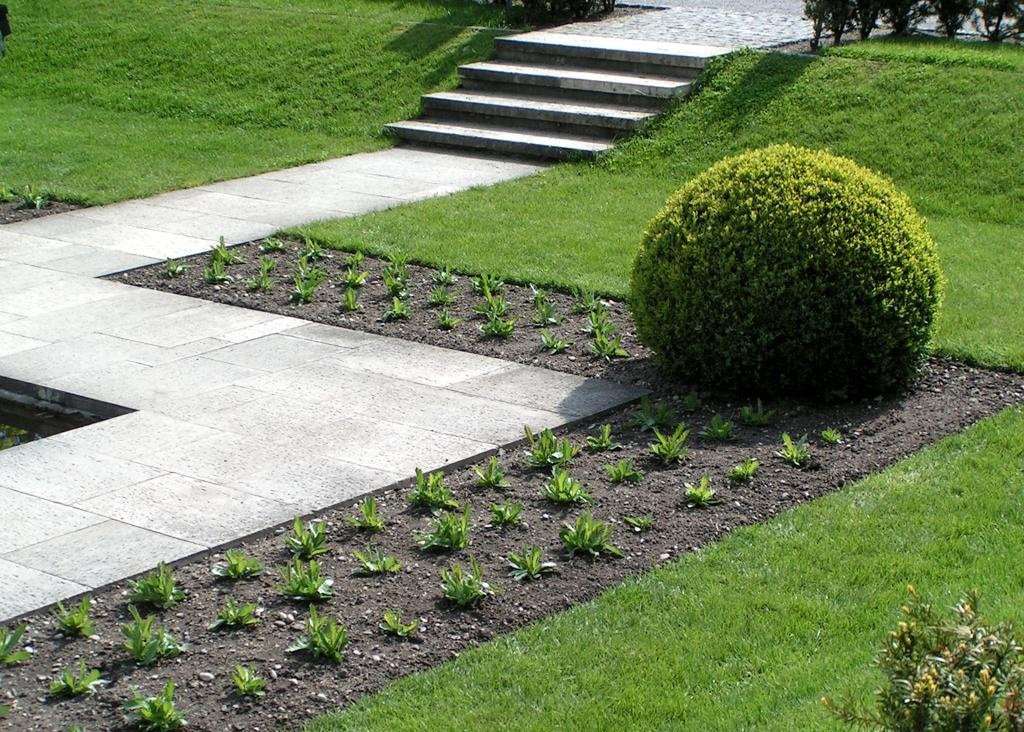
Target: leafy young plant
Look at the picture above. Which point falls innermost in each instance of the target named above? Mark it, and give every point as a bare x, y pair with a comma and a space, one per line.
145, 643
552, 344
608, 346
375, 562
650, 416
599, 322
588, 535
235, 616
563, 489
544, 310
247, 682
691, 402
831, 436
449, 531
441, 296
325, 638
718, 428
307, 279
173, 268
585, 301
623, 471
157, 589
396, 286
391, 623
671, 448
262, 281
529, 565
86, 681
215, 273
156, 713
367, 520
756, 415
496, 327
464, 588
272, 244
430, 491
307, 541
75, 621
221, 253
9, 640
446, 321
602, 441
350, 300
487, 285
796, 453
443, 277
354, 278
399, 310
312, 251
397, 267
238, 566
304, 582
640, 524
745, 471
701, 494
506, 514
546, 450
32, 197
355, 260
491, 475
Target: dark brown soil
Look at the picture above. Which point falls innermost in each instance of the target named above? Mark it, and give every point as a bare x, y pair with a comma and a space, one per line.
11, 212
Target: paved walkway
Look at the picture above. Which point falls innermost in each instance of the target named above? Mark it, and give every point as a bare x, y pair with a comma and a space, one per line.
242, 419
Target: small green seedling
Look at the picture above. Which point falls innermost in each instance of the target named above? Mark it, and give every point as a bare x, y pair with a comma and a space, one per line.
367, 520
312, 251
262, 282
173, 268
354, 278
307, 280
157, 589
544, 310
506, 514
430, 491
75, 621
598, 321
272, 244
585, 301
545, 450
325, 638
718, 429
671, 448
488, 285
529, 565
495, 327
602, 441
491, 476
399, 310
355, 260
145, 643
464, 588
221, 253
700, 495
444, 277
756, 415
32, 197
650, 416
639, 524
9, 640
588, 536
350, 300
450, 531
238, 566
608, 346
215, 274
446, 321
396, 286
391, 623
796, 453
441, 296
492, 308
623, 472
552, 344
564, 490
247, 682
234, 616
397, 267
307, 541
86, 681
831, 436
374, 562
304, 582
156, 713
744, 472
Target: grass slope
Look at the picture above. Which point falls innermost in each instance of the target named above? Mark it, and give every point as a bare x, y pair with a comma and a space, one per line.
942, 120
104, 101
752, 631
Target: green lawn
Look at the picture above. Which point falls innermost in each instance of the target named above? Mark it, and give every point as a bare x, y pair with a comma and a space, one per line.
104, 101
943, 121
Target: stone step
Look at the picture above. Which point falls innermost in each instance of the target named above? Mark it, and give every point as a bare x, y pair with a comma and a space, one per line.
540, 113
499, 139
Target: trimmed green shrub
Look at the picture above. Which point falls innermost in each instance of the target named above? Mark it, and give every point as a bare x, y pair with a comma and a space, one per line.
788, 270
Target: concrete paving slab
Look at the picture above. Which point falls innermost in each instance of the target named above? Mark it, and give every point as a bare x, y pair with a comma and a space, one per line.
11, 343
96, 262
275, 419
45, 296
210, 226
102, 553
33, 519
268, 327
53, 227
134, 436
193, 407
419, 362
329, 334
275, 352
34, 589
208, 320
139, 241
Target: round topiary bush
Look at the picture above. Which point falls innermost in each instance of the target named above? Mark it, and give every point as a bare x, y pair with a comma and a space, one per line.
788, 270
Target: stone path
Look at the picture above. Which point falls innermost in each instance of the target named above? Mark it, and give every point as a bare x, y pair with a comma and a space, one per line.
241, 419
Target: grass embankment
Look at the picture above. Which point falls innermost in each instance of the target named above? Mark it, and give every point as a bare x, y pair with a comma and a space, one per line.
104, 101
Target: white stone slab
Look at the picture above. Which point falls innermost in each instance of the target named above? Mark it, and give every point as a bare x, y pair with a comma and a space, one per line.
134, 436
275, 352
34, 589
50, 295
137, 240
418, 362
32, 519
208, 320
96, 262
12, 344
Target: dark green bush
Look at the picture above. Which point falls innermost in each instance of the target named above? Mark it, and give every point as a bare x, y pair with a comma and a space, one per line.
788, 270
904, 15
953, 14
558, 10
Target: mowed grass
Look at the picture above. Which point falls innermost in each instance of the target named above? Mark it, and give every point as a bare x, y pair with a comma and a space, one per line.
750, 632
941, 120
104, 101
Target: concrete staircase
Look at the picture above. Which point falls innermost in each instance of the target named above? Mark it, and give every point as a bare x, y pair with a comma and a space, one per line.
555, 95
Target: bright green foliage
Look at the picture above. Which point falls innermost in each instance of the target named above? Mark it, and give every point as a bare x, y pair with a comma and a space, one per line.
608, 346
367, 520
350, 301
831, 436
506, 514
247, 682
354, 278
325, 638
962, 673
602, 441
220, 253
262, 282
755, 415
639, 524
156, 713
563, 489
9, 640
75, 621
272, 244
796, 453
745, 471
307, 541
492, 308
544, 309
238, 566
529, 564
430, 491
234, 616
375, 562
585, 301
650, 416
718, 429
598, 321
399, 310
552, 344
545, 450
446, 321
496, 327
395, 285
441, 296
313, 251
464, 588
491, 476
68, 683
701, 494
623, 472
391, 623
33, 197
671, 448
589, 536
304, 582
145, 643
215, 273
157, 588
826, 280
443, 277
308, 278
488, 285
450, 531
173, 268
